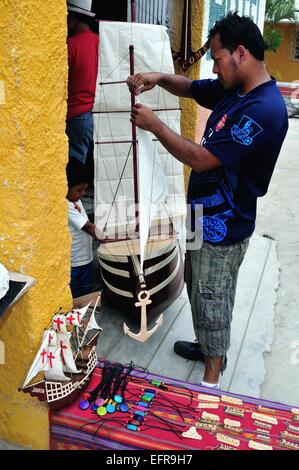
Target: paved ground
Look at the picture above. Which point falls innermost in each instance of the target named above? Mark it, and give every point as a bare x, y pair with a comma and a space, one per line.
278, 216
264, 355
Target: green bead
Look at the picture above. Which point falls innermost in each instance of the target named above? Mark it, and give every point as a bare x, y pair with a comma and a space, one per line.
144, 397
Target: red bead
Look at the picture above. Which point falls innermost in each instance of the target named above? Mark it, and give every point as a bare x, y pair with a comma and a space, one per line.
85, 396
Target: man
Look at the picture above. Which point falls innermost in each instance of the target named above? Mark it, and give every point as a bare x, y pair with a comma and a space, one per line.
230, 169
83, 68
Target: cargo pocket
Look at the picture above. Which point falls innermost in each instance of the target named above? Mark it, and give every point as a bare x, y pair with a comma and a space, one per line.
213, 304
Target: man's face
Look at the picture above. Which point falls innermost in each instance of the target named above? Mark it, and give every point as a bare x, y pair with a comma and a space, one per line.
225, 64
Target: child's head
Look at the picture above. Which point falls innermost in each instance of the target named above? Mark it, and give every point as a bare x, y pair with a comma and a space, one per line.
77, 179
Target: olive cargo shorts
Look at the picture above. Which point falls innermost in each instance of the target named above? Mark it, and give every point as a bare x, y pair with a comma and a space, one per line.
211, 277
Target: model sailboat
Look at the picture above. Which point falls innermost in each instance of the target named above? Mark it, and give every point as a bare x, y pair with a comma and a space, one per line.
66, 358
139, 189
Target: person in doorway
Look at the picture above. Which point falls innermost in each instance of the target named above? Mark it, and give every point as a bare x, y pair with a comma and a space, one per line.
231, 168
83, 47
82, 230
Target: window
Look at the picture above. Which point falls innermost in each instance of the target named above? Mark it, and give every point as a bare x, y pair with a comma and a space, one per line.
294, 44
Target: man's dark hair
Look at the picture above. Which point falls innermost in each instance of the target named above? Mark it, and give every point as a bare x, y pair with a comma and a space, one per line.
235, 30
76, 173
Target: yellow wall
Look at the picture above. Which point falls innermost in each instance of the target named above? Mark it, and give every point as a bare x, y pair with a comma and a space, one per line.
278, 63
34, 238
189, 116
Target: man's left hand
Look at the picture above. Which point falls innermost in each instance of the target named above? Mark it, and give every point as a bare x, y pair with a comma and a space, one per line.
144, 118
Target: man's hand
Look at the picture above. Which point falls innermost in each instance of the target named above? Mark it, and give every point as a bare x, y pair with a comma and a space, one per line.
144, 118
142, 82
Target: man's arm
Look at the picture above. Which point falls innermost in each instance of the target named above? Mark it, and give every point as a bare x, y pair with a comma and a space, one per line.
175, 84
195, 156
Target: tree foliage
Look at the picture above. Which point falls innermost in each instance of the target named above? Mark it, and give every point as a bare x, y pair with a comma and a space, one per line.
277, 10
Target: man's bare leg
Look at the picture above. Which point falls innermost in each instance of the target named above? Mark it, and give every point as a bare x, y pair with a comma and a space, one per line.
212, 369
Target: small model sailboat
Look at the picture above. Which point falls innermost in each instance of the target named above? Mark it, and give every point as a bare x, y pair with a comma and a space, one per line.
66, 357
139, 189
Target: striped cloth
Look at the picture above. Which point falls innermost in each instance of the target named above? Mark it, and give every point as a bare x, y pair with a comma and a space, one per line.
182, 408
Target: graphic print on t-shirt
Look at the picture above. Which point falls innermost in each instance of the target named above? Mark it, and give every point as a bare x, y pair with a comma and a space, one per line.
214, 227
217, 204
245, 131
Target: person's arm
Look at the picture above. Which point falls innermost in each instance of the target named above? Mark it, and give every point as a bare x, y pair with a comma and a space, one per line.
195, 156
174, 84
92, 230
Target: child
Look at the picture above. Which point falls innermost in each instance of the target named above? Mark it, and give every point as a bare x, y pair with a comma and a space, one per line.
82, 230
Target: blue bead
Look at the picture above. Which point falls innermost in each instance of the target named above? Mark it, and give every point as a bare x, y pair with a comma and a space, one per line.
124, 407
132, 427
142, 403
84, 404
110, 408
138, 417
140, 413
94, 407
118, 398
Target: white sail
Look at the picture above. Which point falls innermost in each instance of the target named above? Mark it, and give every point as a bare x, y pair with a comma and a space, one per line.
80, 313
92, 323
59, 323
66, 353
40, 362
55, 369
51, 336
152, 186
73, 319
159, 181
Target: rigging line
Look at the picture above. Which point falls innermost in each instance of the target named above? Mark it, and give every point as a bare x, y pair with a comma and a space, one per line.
99, 150
112, 191
119, 183
113, 145
116, 161
144, 63
117, 65
113, 202
111, 133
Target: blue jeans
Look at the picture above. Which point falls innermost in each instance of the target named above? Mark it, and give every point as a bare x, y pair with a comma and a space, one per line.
81, 280
79, 130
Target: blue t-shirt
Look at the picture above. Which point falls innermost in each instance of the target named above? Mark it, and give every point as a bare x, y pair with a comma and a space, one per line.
246, 134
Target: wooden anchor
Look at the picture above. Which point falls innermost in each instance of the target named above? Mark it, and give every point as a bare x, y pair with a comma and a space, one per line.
144, 334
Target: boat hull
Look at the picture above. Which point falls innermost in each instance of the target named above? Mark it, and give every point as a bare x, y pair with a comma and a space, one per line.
163, 274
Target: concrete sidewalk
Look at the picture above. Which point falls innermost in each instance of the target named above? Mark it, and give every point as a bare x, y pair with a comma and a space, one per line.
278, 216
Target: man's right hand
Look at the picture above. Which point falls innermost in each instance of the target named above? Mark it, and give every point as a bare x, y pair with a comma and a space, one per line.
142, 82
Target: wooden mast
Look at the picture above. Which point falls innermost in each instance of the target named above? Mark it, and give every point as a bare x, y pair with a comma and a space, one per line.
134, 142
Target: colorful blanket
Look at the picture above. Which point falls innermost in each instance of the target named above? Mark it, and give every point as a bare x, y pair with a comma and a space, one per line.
161, 413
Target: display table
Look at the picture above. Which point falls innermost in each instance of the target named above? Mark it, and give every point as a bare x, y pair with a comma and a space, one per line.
179, 416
